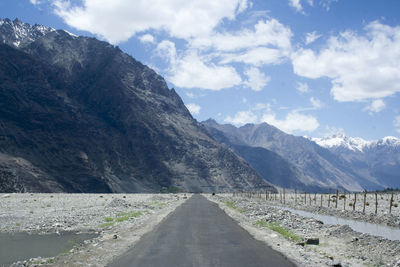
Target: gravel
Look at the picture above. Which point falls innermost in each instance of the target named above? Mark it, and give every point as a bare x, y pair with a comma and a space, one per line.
118, 219
337, 244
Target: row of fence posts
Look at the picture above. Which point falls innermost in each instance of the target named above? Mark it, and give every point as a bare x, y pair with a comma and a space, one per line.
269, 196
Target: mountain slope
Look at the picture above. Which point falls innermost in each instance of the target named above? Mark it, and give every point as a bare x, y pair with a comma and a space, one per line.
316, 167
379, 160
87, 117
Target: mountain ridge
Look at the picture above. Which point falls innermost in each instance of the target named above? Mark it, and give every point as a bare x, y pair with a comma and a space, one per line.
317, 166
82, 116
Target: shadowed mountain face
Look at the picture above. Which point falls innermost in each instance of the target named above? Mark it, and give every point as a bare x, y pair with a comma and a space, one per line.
308, 166
79, 115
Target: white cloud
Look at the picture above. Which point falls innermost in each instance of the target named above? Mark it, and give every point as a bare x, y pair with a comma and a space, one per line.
269, 33
35, 2
166, 50
311, 37
296, 5
192, 72
294, 121
193, 108
327, 4
191, 95
396, 123
361, 67
147, 38
256, 80
119, 20
242, 117
302, 87
316, 103
376, 106
257, 56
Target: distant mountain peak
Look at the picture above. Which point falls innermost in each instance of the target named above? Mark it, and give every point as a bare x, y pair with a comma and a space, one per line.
19, 34
355, 144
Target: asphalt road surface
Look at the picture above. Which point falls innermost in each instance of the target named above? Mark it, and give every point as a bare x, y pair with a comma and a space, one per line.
199, 233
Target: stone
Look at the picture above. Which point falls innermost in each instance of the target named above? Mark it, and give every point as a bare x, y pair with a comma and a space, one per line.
312, 241
335, 263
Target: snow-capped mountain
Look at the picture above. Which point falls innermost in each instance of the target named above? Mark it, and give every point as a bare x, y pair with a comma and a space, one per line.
19, 34
355, 144
342, 141
378, 160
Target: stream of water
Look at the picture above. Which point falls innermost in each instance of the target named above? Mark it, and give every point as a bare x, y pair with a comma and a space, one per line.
362, 227
22, 246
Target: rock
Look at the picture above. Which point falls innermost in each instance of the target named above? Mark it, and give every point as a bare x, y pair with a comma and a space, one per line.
301, 244
335, 263
312, 241
115, 237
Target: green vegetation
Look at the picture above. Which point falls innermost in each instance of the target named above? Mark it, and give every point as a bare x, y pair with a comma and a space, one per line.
108, 224
120, 217
127, 215
108, 219
277, 228
156, 204
232, 206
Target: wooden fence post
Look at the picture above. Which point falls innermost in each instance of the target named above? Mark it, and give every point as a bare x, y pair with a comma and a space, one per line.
305, 198
355, 201
321, 199
365, 198
295, 197
329, 197
315, 199
284, 196
337, 198
376, 203
391, 203
344, 200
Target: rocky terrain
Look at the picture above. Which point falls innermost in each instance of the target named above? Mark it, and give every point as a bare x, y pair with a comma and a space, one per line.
344, 209
337, 245
79, 115
118, 219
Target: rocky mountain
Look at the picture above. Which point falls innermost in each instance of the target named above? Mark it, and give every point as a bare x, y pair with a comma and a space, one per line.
379, 160
308, 165
79, 115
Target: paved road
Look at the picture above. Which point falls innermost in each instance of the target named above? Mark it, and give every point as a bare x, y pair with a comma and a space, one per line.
199, 233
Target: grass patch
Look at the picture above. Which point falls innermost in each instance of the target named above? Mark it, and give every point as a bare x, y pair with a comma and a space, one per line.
277, 228
123, 216
232, 206
107, 224
120, 217
156, 205
108, 219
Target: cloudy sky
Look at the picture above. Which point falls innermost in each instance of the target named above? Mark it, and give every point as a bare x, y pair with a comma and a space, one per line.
308, 67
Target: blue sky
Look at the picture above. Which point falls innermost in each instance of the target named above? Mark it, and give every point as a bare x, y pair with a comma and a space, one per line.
308, 67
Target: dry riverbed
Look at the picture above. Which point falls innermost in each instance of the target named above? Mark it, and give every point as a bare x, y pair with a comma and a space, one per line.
118, 219
286, 232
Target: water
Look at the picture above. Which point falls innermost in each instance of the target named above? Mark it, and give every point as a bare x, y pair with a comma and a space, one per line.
362, 227
22, 246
